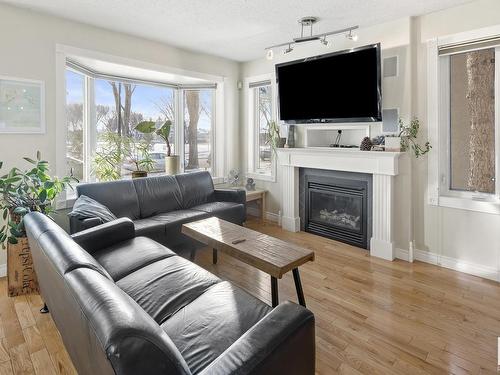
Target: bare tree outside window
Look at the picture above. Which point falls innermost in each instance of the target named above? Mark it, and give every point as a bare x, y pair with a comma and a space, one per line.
264, 117
75, 92
198, 129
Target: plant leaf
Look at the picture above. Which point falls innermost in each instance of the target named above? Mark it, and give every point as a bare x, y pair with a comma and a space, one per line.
146, 127
38, 155
13, 240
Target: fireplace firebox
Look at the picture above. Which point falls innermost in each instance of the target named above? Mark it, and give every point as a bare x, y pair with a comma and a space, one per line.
336, 205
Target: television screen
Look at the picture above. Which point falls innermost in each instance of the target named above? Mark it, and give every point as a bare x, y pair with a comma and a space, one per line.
338, 87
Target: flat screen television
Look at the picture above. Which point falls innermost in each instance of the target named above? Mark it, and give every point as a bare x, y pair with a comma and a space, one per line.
343, 86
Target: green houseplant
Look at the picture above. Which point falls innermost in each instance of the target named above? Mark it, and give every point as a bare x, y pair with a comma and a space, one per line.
114, 151
24, 191
273, 136
149, 127
408, 134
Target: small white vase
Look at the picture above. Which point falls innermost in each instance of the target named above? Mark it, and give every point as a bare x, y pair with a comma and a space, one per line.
393, 144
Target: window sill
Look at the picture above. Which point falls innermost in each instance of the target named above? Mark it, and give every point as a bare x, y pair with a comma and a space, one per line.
261, 176
490, 206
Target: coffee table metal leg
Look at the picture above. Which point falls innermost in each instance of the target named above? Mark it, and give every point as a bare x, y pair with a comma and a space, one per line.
298, 286
214, 256
274, 291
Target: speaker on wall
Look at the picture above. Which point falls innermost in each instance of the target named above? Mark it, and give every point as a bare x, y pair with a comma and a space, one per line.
390, 66
390, 120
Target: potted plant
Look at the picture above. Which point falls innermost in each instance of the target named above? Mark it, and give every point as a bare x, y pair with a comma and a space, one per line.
22, 192
408, 138
273, 136
137, 153
148, 127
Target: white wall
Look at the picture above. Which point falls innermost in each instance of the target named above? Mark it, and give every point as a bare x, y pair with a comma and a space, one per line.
28, 50
395, 40
472, 239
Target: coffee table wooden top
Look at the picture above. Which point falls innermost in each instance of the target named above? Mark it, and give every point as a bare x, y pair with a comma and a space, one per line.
266, 253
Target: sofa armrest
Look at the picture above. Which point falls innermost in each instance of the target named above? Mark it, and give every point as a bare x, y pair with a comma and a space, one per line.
230, 195
77, 225
105, 235
283, 342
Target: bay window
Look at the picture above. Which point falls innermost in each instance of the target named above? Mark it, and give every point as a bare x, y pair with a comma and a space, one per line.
102, 112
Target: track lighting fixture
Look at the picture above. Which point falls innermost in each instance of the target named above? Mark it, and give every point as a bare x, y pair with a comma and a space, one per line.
308, 22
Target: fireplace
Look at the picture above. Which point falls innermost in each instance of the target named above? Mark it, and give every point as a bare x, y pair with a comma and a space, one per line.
336, 205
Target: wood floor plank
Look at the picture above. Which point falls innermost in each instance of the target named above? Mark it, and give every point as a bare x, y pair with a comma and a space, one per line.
42, 363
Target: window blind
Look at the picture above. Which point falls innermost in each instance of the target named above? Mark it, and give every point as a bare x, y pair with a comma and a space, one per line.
483, 43
253, 85
94, 74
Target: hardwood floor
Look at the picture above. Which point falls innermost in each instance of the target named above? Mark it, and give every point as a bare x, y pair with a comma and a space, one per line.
372, 316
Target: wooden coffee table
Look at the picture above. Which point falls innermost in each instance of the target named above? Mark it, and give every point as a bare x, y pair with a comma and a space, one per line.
268, 254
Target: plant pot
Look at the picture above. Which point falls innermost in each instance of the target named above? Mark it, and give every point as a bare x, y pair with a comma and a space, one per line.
393, 144
172, 164
21, 276
139, 174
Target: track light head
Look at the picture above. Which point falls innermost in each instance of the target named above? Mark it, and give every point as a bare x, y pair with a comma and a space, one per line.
269, 54
288, 50
351, 36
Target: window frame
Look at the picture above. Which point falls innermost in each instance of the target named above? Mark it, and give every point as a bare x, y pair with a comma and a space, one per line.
438, 108
253, 128
65, 53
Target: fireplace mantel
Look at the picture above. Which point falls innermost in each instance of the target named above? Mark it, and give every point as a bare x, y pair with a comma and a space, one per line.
384, 166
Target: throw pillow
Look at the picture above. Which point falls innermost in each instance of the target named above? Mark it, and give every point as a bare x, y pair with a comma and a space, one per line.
86, 207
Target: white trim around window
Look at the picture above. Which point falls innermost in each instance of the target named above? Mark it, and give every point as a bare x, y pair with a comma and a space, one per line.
251, 115
63, 52
438, 119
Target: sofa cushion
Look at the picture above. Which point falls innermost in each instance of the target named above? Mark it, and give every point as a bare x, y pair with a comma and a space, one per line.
119, 196
179, 217
157, 195
128, 256
163, 287
206, 327
229, 211
86, 208
196, 188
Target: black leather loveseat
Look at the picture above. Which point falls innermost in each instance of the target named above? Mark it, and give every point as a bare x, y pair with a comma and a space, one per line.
159, 206
128, 305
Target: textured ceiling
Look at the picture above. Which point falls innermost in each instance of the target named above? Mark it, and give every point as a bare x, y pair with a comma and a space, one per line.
235, 29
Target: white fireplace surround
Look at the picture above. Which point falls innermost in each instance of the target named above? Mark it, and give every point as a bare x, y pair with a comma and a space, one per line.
384, 166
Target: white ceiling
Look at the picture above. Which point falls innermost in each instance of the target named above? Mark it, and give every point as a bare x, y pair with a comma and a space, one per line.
235, 29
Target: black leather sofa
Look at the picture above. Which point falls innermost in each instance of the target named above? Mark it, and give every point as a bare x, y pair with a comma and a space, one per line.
128, 305
159, 206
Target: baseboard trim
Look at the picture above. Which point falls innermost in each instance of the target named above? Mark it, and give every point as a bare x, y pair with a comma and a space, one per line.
3, 270
490, 273
270, 216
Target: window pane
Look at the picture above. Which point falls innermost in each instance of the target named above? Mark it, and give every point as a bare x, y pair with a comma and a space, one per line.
198, 118
75, 92
264, 110
472, 121
121, 149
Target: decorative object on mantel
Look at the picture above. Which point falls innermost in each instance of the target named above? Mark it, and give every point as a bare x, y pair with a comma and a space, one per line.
290, 142
377, 148
408, 134
22, 106
392, 143
366, 144
22, 192
250, 186
273, 136
378, 140
234, 177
